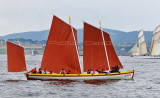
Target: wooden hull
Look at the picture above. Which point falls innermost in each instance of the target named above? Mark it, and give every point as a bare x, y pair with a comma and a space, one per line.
103, 76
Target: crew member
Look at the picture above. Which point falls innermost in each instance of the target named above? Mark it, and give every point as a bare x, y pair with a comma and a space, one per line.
62, 72
91, 71
50, 72
40, 71
33, 71
45, 72
115, 69
88, 72
68, 72
101, 71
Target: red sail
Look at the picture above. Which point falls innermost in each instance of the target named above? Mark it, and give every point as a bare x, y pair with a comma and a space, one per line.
94, 56
60, 52
112, 56
16, 58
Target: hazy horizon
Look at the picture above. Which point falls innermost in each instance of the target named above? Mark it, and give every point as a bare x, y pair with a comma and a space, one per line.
36, 15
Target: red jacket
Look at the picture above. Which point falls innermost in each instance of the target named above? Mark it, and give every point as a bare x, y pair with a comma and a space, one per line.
63, 72
34, 70
101, 71
117, 68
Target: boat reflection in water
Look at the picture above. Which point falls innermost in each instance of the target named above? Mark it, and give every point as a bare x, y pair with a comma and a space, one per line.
99, 82
91, 82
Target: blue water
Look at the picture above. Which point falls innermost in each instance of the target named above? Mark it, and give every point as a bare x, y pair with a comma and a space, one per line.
146, 83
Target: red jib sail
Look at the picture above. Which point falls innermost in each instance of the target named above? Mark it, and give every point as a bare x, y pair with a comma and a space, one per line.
16, 58
94, 56
60, 52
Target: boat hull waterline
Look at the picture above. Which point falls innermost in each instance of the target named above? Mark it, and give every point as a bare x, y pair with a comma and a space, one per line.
103, 76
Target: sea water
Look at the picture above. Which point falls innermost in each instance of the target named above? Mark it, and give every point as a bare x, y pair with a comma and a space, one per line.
146, 82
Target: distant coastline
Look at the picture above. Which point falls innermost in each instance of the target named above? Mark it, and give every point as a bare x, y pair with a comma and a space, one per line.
122, 41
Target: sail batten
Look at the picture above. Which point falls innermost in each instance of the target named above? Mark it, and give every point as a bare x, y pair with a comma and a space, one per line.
94, 55
60, 51
15, 57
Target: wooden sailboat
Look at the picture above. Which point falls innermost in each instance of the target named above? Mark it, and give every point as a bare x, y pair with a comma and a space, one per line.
142, 49
58, 55
142, 44
61, 52
134, 51
155, 45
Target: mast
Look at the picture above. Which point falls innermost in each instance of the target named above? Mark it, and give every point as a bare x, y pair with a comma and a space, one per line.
104, 46
75, 42
18, 42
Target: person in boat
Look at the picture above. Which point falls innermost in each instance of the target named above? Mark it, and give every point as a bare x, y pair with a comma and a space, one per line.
50, 72
91, 71
68, 72
115, 69
33, 71
88, 72
62, 72
40, 71
101, 71
45, 72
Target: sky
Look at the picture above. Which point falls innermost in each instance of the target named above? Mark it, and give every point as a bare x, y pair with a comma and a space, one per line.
35, 15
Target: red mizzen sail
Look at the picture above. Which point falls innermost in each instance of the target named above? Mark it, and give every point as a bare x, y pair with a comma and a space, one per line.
16, 58
60, 52
94, 56
112, 56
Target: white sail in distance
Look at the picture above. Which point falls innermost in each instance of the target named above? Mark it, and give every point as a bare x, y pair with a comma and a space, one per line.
142, 43
135, 50
155, 45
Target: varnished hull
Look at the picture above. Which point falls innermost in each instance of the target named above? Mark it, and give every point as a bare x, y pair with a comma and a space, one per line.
103, 76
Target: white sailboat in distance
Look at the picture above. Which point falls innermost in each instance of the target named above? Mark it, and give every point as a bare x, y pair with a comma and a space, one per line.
134, 51
142, 44
155, 45
142, 49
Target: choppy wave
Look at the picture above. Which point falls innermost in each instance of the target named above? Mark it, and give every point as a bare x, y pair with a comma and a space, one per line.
146, 83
